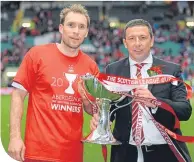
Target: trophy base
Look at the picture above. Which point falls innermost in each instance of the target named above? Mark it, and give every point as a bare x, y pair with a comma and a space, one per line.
102, 142
107, 139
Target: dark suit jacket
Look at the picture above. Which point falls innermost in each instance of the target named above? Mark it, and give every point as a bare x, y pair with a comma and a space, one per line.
175, 96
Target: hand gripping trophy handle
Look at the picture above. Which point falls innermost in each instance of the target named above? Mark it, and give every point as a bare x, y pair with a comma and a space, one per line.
102, 134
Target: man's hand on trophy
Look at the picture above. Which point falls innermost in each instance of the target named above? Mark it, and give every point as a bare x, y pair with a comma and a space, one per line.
87, 105
144, 92
81, 89
94, 122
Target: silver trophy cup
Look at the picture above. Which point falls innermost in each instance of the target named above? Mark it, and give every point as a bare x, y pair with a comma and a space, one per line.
102, 134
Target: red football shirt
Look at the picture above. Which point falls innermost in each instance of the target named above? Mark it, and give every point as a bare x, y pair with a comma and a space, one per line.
55, 115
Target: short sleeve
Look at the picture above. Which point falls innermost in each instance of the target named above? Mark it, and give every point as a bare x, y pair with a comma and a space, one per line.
26, 74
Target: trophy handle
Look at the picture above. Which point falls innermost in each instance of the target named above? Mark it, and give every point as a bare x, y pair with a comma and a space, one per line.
119, 107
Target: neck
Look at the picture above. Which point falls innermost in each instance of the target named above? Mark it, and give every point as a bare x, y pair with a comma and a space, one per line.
67, 51
140, 60
136, 60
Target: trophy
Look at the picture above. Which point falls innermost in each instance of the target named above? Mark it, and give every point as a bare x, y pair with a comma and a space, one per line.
71, 78
102, 134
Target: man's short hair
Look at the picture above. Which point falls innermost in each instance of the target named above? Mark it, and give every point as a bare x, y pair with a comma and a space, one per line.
75, 8
138, 22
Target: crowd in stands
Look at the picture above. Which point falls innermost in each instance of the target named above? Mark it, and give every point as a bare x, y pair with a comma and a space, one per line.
43, 21
13, 57
108, 42
185, 38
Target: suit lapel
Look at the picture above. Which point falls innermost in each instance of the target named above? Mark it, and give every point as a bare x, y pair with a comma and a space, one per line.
155, 63
125, 71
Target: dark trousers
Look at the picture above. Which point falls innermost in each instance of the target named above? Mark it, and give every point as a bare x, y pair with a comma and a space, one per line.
155, 153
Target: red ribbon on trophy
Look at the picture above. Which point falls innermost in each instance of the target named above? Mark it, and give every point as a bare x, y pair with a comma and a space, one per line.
122, 85
158, 79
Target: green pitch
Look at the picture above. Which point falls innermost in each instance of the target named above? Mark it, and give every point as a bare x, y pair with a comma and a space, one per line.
92, 152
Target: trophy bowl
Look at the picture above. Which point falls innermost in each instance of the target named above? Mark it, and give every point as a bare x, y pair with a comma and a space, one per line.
102, 134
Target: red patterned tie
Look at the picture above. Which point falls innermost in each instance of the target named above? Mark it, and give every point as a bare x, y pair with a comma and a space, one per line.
137, 114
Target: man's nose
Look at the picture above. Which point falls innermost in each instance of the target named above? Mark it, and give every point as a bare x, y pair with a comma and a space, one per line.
76, 30
137, 42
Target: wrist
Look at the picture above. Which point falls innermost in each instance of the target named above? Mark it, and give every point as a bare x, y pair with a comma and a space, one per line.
14, 136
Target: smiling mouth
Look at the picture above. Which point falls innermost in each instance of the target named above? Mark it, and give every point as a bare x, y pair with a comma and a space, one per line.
74, 38
137, 50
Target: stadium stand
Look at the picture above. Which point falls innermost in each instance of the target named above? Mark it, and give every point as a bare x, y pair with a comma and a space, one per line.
25, 24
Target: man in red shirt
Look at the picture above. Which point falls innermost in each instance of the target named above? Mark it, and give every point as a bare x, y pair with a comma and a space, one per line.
50, 75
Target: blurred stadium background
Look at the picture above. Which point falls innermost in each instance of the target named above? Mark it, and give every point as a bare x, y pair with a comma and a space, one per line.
26, 23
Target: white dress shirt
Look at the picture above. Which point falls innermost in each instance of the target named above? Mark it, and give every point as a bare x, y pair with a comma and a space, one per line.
151, 133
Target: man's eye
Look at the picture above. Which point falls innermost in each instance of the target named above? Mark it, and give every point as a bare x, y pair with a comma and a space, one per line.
70, 24
82, 26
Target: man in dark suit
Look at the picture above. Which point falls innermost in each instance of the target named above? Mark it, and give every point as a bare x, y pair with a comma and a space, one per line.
138, 39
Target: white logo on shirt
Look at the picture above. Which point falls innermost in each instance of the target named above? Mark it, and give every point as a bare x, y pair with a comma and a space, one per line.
70, 78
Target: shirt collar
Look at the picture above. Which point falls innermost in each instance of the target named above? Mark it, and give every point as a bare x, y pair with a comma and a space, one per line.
148, 60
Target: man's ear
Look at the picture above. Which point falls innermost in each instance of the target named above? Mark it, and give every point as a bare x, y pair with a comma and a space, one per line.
124, 42
86, 34
152, 41
61, 28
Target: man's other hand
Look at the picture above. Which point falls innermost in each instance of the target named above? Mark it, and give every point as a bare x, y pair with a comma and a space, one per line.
144, 92
16, 149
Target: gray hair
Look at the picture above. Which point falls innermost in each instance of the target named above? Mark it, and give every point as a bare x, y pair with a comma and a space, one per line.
138, 22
